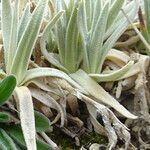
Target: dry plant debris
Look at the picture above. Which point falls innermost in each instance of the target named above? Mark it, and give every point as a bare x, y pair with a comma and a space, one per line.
80, 69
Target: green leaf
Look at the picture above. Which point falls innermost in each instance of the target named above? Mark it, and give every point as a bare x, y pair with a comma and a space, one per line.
60, 39
27, 42
43, 146
13, 36
110, 42
6, 142
96, 42
16, 133
71, 42
145, 42
89, 11
114, 11
82, 21
60, 29
51, 57
6, 26
131, 9
147, 13
96, 13
25, 18
50, 25
118, 29
49, 72
7, 86
42, 123
4, 117
83, 29
67, 36
95, 90
135, 69
113, 76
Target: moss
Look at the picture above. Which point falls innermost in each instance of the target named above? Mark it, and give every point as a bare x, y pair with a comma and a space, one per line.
67, 143
93, 138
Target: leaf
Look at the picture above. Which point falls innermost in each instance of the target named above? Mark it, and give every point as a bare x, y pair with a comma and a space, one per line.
42, 123
60, 37
142, 38
22, 5
6, 26
71, 42
49, 72
110, 125
43, 146
147, 13
135, 69
13, 41
96, 13
93, 116
110, 42
67, 36
114, 11
95, 90
6, 142
82, 21
89, 11
83, 29
27, 42
51, 24
16, 134
23, 96
130, 9
25, 18
7, 86
44, 86
116, 31
52, 58
115, 75
4, 117
46, 38
47, 100
96, 42
118, 57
